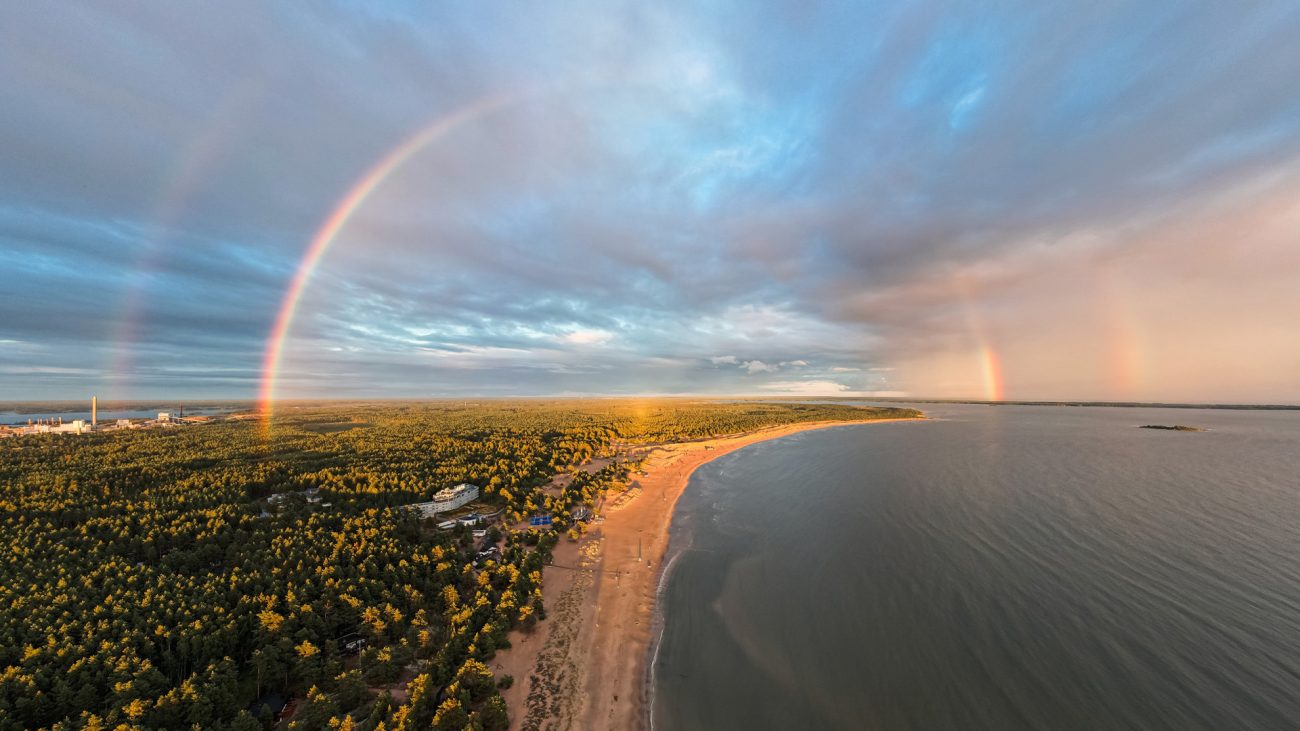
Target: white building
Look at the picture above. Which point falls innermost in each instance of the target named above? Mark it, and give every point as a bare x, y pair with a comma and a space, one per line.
447, 499
73, 427
52, 426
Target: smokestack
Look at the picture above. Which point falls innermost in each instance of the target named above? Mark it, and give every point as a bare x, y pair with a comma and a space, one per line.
94, 411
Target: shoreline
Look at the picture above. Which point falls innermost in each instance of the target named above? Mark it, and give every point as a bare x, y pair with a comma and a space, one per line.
590, 667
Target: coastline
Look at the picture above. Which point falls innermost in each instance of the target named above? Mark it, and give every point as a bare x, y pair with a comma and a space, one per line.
587, 667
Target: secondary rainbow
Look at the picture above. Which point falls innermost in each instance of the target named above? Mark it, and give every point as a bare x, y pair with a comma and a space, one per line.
995, 388
338, 218
202, 152
989, 362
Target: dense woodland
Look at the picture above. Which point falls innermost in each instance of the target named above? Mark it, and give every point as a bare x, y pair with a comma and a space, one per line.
146, 582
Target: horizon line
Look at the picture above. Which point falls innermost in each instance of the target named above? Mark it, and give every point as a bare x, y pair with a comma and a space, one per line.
253, 401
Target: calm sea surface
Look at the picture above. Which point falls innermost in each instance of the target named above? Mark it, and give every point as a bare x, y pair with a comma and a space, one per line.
105, 415
995, 568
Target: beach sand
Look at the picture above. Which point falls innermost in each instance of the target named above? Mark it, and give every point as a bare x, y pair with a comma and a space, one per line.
585, 667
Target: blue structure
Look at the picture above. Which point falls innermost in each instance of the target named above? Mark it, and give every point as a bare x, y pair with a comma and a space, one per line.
539, 520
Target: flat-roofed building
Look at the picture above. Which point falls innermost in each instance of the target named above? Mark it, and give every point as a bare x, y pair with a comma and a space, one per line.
447, 499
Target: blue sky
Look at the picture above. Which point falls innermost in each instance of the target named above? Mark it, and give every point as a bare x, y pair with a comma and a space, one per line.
712, 198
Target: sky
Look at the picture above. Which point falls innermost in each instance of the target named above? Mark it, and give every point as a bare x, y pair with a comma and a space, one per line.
1048, 200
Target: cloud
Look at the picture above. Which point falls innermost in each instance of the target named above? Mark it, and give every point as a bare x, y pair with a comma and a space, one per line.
1154, 310
827, 388
945, 182
588, 337
808, 388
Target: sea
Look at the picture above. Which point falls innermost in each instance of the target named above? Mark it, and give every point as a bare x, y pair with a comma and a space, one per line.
106, 416
994, 567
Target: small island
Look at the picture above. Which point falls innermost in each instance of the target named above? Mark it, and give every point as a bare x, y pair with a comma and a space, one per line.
1176, 427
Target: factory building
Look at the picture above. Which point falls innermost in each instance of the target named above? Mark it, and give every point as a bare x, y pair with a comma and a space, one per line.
54, 426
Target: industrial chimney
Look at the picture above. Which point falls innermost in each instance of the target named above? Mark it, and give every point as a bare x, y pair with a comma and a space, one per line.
94, 411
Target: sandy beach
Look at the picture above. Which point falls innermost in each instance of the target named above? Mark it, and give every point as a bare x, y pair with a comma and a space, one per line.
586, 666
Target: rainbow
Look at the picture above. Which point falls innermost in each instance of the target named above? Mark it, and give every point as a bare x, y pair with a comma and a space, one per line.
995, 388
199, 155
990, 363
1126, 361
338, 218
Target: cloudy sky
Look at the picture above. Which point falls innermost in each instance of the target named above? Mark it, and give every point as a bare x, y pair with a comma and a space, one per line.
991, 200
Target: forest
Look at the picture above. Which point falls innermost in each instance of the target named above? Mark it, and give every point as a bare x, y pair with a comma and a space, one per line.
147, 581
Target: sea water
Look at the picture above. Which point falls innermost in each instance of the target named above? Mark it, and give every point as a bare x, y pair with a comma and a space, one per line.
997, 567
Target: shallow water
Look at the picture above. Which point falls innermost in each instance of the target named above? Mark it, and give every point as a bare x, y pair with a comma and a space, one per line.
996, 568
